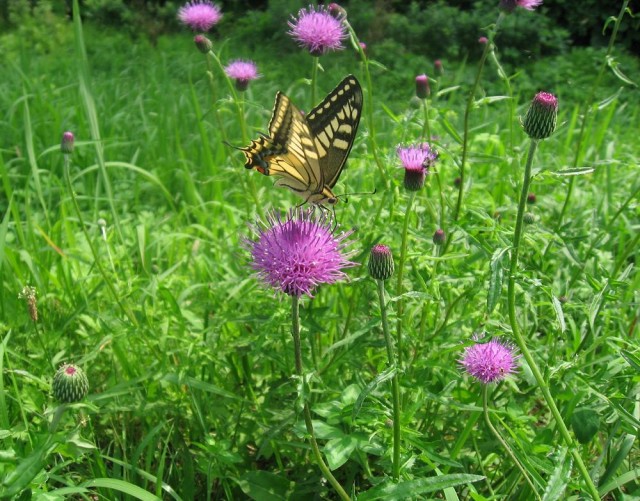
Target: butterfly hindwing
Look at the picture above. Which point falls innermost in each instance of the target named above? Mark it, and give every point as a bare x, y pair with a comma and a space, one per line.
309, 153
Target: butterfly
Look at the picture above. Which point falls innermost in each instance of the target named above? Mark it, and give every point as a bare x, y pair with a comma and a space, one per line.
308, 153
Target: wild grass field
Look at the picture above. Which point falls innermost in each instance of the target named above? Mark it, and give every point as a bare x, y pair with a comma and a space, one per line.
131, 254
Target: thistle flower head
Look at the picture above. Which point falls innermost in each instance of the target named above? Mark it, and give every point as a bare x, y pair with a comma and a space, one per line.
242, 72
66, 145
422, 86
489, 362
299, 253
317, 30
70, 384
416, 161
510, 5
380, 262
483, 40
200, 15
541, 117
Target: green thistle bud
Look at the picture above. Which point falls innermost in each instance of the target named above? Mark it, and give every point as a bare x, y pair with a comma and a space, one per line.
380, 262
70, 384
529, 218
439, 237
585, 423
66, 145
203, 44
540, 120
422, 86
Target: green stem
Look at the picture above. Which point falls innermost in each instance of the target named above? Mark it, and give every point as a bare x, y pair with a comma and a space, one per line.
426, 132
588, 108
314, 80
403, 256
355, 42
519, 338
467, 111
96, 258
295, 331
506, 447
395, 386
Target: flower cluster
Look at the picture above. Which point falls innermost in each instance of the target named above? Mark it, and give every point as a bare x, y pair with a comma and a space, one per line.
299, 253
317, 30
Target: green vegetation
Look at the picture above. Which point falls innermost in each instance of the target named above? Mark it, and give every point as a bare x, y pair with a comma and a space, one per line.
135, 250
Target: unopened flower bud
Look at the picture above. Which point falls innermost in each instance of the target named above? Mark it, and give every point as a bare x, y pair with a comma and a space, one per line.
531, 198
203, 44
528, 218
483, 40
70, 384
422, 86
66, 145
437, 64
540, 120
439, 237
380, 262
337, 11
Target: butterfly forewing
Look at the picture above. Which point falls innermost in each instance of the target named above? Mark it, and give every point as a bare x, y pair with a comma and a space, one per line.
309, 153
333, 124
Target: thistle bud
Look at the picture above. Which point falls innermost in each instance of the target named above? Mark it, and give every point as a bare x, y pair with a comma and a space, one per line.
203, 44
337, 11
437, 64
70, 384
585, 423
483, 40
66, 145
531, 198
540, 120
439, 237
422, 86
529, 218
380, 262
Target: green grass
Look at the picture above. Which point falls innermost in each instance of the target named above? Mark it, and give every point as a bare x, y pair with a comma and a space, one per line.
189, 357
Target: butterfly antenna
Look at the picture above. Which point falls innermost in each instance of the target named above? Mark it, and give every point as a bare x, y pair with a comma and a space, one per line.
345, 196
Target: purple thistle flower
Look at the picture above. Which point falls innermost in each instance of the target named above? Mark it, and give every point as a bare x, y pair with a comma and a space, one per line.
416, 161
242, 72
510, 5
489, 362
317, 30
483, 40
300, 253
200, 15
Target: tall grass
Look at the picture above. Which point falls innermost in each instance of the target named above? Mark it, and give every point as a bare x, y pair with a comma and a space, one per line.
135, 252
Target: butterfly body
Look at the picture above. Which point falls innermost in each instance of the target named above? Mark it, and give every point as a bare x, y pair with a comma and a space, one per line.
308, 153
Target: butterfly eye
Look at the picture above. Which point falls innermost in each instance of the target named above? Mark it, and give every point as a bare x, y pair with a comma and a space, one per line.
332, 200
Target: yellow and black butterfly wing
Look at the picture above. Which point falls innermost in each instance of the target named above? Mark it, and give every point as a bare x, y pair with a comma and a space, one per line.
309, 153
333, 125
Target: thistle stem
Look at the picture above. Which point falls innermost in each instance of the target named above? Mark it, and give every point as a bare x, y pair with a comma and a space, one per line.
519, 338
487, 419
395, 386
317, 455
403, 256
467, 111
